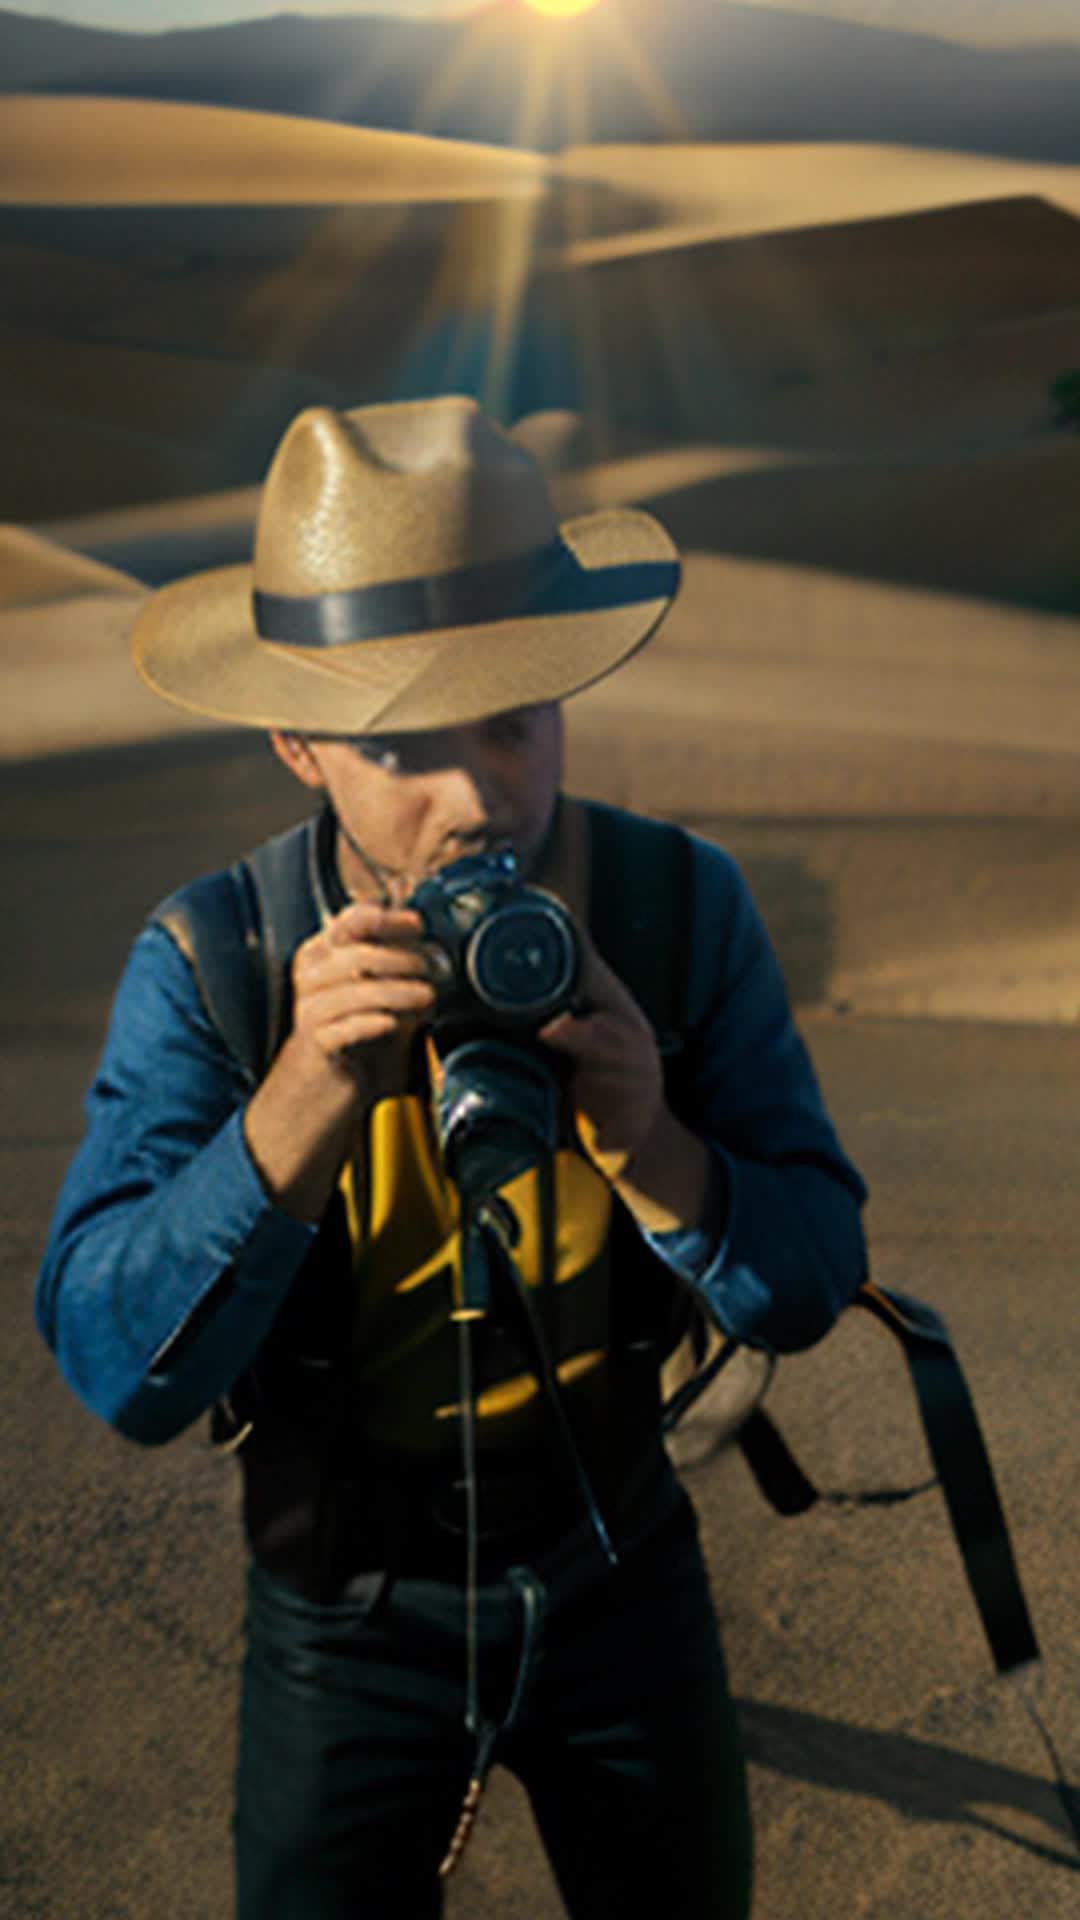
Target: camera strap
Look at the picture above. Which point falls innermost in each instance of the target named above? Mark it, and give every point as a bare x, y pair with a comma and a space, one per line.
492, 1226
496, 1113
497, 1116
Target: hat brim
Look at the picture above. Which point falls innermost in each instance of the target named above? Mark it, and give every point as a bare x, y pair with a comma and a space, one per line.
195, 644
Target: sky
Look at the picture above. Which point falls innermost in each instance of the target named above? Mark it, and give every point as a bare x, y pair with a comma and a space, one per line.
1001, 21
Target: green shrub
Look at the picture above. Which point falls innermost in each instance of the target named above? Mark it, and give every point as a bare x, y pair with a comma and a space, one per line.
1065, 395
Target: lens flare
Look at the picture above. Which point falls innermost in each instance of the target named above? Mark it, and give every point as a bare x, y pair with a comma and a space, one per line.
560, 9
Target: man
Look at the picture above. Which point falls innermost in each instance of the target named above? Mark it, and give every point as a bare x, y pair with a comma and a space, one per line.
466, 1539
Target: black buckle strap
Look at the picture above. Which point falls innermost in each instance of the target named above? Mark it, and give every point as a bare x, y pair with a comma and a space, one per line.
961, 1462
965, 1475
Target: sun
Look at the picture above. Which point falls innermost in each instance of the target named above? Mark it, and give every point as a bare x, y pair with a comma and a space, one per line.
560, 8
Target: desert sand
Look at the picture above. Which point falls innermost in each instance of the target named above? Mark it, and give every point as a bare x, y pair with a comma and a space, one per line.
869, 690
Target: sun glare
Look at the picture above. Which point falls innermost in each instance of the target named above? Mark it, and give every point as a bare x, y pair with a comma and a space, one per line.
480, 320
560, 8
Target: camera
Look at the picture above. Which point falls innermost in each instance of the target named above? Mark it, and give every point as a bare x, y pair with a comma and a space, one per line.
505, 956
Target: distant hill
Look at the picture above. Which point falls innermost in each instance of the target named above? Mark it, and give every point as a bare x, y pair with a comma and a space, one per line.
975, 22
727, 72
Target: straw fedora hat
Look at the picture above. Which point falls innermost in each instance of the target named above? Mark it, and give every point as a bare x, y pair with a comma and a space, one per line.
409, 573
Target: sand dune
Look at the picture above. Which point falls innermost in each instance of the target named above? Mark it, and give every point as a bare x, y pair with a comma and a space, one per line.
65, 674
34, 569
155, 421
730, 338
334, 292
97, 152
754, 646
931, 334
704, 193
959, 398
1000, 525
930, 340
162, 540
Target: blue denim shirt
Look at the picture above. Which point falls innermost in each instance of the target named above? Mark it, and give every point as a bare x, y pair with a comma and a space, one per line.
167, 1261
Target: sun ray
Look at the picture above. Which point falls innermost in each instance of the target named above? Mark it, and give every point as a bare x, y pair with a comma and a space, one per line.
293, 302
473, 299
517, 262
561, 9
573, 199
625, 51
479, 47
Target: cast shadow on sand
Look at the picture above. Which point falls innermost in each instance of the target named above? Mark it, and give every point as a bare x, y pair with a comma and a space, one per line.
922, 1780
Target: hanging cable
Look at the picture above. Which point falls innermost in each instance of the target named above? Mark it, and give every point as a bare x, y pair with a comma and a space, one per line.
547, 1375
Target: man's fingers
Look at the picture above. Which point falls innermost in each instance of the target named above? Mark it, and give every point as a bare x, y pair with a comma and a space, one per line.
361, 941
344, 1017
563, 1032
362, 924
599, 986
587, 1036
363, 920
365, 993
360, 980
356, 1029
326, 966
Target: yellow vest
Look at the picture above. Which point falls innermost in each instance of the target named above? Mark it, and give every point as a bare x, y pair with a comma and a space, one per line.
404, 1227
407, 1264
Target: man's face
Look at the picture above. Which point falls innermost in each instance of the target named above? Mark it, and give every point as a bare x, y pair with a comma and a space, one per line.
408, 803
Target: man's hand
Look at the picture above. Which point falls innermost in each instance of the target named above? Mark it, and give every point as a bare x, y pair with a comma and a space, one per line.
360, 985
616, 1080
659, 1169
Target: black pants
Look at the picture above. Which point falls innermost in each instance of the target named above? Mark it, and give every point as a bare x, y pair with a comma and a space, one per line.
354, 1757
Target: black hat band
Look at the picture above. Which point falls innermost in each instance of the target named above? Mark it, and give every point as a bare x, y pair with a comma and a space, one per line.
549, 581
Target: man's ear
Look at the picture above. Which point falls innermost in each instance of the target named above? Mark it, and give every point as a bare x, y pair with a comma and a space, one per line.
295, 752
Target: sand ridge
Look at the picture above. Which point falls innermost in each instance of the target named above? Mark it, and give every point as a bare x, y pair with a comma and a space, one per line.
77, 151
704, 193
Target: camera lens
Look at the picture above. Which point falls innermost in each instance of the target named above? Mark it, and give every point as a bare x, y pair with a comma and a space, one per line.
522, 959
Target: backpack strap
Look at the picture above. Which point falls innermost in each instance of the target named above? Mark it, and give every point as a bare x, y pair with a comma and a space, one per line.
961, 1462
214, 923
238, 930
959, 1454
282, 879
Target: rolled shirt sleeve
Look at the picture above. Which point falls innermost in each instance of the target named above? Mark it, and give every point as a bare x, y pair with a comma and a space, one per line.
166, 1261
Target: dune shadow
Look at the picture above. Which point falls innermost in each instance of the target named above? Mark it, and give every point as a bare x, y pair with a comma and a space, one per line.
948, 527
922, 1780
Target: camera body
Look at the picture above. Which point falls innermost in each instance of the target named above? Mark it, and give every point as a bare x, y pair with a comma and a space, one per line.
505, 955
